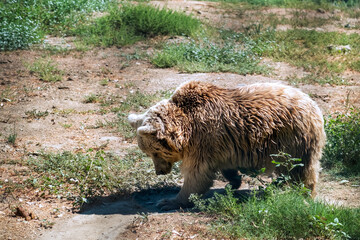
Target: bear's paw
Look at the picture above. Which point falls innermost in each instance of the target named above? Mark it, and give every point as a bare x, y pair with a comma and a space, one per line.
171, 204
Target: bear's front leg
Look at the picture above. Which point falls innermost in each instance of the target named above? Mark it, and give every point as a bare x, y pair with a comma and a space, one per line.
194, 182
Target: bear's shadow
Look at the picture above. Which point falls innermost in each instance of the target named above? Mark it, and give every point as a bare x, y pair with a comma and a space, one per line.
145, 201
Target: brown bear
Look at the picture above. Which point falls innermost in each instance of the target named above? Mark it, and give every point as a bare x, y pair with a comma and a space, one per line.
215, 129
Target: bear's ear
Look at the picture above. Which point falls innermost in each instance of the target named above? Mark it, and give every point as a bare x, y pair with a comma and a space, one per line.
146, 130
136, 120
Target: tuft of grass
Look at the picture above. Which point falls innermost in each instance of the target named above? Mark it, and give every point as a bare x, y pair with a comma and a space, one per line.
104, 82
151, 21
81, 176
313, 51
279, 214
12, 138
92, 98
35, 114
342, 151
130, 23
46, 70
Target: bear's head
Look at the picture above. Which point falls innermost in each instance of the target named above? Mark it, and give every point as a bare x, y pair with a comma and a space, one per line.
155, 140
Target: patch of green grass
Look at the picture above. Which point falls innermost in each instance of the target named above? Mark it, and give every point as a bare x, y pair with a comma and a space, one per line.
279, 214
233, 52
46, 70
81, 176
342, 151
23, 23
150, 21
130, 23
209, 57
313, 51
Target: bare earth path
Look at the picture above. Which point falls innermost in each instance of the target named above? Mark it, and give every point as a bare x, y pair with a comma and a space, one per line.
69, 125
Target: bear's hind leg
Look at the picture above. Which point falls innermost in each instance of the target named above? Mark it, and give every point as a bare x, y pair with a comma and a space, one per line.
232, 175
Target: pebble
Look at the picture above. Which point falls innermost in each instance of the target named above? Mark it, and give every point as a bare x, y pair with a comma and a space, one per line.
342, 182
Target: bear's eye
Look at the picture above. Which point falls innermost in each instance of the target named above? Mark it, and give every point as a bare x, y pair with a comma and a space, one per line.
165, 144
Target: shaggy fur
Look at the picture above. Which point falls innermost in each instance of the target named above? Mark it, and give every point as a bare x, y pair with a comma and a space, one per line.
216, 129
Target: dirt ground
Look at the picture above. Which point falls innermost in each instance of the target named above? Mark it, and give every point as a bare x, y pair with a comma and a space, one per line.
21, 92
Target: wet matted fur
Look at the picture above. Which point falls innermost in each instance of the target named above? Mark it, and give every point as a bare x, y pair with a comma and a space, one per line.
215, 129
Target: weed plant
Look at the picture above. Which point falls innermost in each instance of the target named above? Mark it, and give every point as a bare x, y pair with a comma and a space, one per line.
342, 151
129, 23
17, 32
23, 23
82, 176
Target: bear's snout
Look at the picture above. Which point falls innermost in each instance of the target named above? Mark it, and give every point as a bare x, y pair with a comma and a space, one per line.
162, 167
